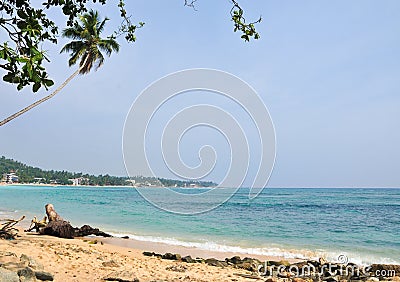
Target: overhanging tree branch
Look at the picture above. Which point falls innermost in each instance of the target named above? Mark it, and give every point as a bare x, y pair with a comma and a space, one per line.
27, 28
87, 47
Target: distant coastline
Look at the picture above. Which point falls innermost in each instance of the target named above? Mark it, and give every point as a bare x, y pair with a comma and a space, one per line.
66, 185
14, 172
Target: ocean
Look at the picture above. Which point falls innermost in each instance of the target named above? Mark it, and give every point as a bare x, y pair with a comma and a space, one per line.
361, 224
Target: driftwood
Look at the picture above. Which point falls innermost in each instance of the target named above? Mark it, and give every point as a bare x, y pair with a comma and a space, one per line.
7, 229
36, 224
59, 227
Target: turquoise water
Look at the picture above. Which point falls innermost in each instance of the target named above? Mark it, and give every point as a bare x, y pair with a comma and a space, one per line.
363, 224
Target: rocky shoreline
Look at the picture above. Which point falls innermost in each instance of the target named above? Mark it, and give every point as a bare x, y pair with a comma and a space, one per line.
305, 271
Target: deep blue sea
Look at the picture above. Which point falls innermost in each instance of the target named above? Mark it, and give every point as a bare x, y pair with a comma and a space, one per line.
363, 224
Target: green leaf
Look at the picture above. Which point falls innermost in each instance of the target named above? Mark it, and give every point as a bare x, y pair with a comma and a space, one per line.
8, 78
48, 82
36, 87
21, 25
22, 14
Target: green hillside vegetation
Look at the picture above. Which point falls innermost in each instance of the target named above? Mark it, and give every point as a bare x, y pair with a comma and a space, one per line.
29, 174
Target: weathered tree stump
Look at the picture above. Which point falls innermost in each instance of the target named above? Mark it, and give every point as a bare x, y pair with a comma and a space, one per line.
59, 227
52, 215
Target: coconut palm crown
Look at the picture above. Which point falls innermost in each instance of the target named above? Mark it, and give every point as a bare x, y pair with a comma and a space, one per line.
87, 44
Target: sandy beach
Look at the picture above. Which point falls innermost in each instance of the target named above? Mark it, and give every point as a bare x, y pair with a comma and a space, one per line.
32, 257
95, 259
81, 260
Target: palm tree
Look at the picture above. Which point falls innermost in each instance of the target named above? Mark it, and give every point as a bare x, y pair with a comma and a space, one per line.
86, 47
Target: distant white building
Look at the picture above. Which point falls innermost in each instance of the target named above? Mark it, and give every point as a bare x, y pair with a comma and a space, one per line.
79, 181
39, 180
12, 178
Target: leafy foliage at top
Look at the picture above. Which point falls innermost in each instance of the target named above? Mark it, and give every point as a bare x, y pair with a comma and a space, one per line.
28, 28
248, 30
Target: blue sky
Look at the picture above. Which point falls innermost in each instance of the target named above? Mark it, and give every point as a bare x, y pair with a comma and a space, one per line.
328, 71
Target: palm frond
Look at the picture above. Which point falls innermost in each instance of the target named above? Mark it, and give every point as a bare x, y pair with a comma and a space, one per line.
99, 61
87, 45
108, 46
75, 56
100, 26
73, 32
73, 46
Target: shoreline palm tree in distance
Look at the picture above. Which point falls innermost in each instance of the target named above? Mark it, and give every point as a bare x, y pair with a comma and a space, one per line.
87, 47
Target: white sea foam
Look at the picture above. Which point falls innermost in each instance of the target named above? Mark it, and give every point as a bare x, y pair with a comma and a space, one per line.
271, 251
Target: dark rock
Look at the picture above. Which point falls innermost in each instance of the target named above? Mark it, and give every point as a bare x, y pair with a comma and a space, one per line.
125, 237
188, 259
215, 262
168, 256
44, 276
328, 274
250, 259
149, 254
26, 274
199, 260
234, 260
316, 264
87, 230
273, 262
249, 265
171, 256
8, 275
62, 229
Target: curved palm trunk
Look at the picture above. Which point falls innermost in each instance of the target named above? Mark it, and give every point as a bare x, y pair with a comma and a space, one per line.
44, 99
